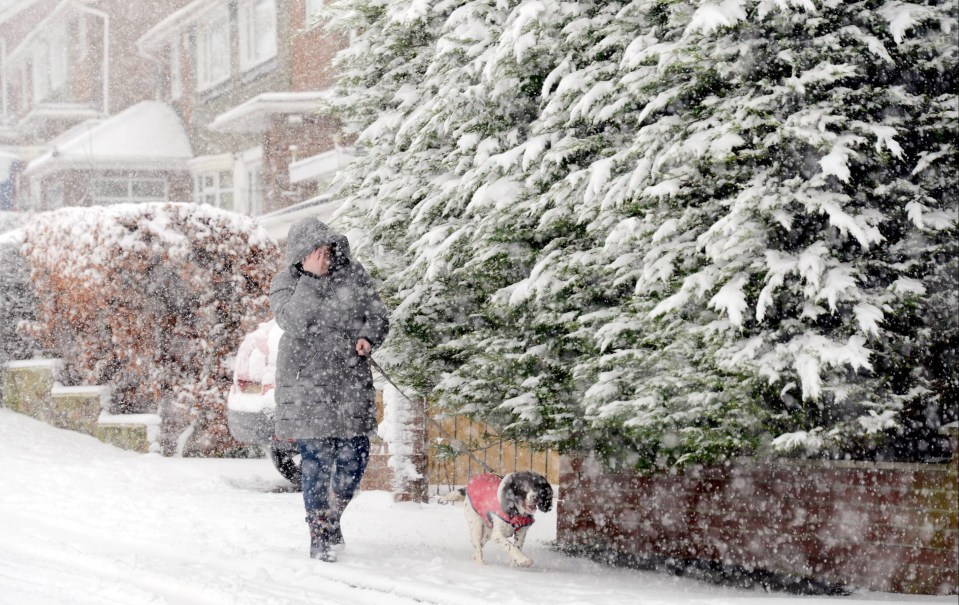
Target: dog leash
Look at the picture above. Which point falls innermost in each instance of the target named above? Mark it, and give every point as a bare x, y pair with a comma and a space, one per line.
454, 442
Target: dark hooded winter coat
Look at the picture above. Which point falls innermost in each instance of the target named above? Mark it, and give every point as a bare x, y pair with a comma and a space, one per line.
323, 387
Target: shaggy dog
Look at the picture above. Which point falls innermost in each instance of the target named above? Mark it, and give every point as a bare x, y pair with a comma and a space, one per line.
502, 509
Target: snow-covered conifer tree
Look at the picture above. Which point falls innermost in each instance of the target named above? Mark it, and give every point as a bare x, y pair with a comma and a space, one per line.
663, 231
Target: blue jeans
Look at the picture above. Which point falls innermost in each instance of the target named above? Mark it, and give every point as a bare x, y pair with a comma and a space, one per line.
332, 463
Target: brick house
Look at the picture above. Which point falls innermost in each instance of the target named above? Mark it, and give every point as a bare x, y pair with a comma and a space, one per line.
213, 101
70, 73
248, 76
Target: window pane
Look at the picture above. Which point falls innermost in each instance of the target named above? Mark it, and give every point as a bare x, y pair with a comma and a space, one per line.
213, 49
112, 188
221, 52
226, 180
155, 189
58, 59
176, 73
256, 191
41, 72
265, 29
257, 29
226, 201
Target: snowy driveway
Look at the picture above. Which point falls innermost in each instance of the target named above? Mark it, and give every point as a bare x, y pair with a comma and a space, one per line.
84, 523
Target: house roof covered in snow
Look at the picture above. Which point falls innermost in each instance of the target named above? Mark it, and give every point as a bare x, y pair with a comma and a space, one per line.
254, 115
160, 34
145, 136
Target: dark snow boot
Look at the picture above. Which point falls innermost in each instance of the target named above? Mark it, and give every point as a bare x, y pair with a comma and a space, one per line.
320, 547
336, 513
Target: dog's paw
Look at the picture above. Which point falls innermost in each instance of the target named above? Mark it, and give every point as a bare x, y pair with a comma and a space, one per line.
478, 559
527, 562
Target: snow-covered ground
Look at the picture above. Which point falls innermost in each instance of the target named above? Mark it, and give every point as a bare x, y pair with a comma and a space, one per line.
84, 523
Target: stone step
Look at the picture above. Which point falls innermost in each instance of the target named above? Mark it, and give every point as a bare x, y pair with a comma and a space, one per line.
30, 387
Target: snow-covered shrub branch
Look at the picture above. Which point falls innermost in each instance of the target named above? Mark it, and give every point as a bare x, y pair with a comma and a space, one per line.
152, 300
665, 231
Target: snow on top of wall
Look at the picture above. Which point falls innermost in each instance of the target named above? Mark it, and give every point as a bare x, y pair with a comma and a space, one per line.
143, 132
88, 389
125, 419
34, 363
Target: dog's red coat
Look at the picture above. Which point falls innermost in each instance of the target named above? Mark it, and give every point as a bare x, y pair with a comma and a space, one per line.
482, 491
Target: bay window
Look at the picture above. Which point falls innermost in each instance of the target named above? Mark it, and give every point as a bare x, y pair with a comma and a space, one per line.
108, 191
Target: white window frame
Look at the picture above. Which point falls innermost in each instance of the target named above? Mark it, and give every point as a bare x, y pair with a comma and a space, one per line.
176, 70
25, 88
257, 32
82, 37
53, 195
40, 68
216, 194
248, 181
106, 200
59, 61
213, 52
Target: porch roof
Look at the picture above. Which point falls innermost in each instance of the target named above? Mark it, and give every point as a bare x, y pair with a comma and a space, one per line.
254, 115
145, 136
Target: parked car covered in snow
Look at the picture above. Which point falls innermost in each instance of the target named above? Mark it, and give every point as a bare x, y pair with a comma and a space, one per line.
251, 405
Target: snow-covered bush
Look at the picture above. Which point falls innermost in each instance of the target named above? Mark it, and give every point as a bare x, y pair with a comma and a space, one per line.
17, 302
152, 300
662, 231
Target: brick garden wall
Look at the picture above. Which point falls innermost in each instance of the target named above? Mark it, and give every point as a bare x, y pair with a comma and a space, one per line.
886, 527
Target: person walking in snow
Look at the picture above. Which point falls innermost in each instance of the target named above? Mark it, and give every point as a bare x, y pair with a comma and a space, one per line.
332, 319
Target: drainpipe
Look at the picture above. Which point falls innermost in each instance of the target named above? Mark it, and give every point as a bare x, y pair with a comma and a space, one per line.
106, 52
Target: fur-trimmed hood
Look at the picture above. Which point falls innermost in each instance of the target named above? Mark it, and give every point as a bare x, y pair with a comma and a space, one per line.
308, 234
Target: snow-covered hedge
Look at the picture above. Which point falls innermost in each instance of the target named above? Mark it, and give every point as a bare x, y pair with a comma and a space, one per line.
18, 304
663, 231
152, 300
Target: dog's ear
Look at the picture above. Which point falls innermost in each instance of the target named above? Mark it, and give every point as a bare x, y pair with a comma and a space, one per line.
545, 491
506, 494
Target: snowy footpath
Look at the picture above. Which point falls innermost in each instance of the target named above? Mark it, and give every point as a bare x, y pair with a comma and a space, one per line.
84, 523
